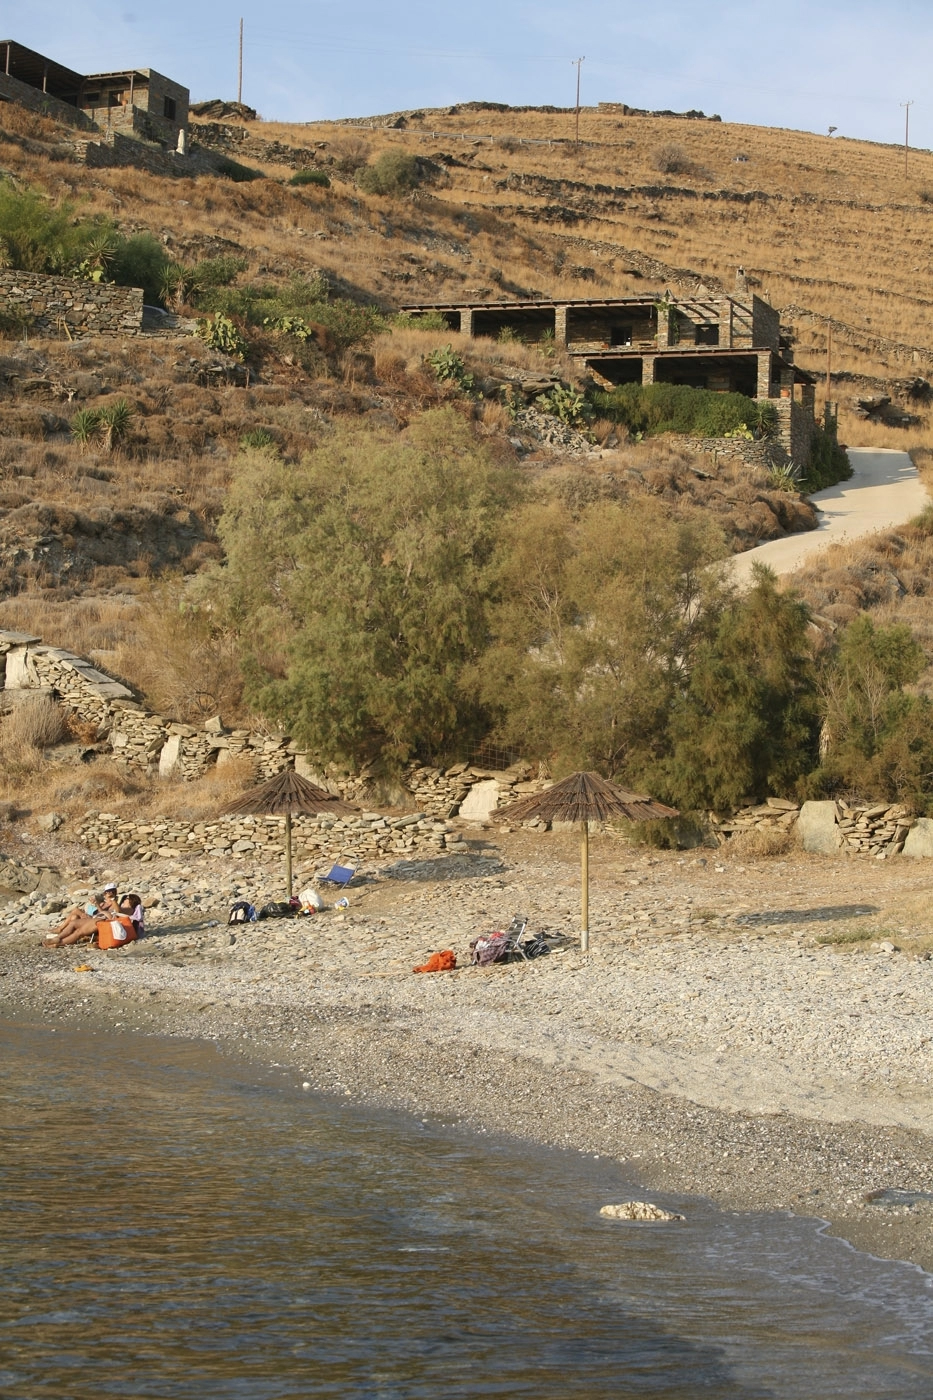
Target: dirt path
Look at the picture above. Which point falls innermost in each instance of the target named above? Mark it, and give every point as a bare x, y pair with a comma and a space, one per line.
884, 490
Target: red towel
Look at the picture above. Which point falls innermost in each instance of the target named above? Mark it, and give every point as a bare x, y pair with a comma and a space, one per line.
439, 962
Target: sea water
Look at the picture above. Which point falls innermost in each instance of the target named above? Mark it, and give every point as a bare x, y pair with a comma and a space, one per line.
175, 1222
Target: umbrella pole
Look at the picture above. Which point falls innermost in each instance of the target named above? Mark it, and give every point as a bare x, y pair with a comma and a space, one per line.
288, 852
585, 888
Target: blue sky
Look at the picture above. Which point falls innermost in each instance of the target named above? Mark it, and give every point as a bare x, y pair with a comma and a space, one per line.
798, 63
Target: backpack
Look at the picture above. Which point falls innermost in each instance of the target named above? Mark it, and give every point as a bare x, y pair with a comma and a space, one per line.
242, 913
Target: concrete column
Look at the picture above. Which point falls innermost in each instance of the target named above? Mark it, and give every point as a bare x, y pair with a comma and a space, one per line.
560, 325
647, 369
764, 374
466, 321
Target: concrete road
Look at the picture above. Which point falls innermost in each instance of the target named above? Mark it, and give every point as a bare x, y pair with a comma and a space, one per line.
884, 490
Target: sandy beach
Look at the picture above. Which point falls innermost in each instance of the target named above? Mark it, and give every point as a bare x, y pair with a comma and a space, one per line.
759, 1031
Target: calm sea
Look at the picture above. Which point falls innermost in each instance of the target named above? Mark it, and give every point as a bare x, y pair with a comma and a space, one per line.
178, 1223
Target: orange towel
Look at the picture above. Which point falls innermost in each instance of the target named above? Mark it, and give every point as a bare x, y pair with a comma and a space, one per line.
439, 962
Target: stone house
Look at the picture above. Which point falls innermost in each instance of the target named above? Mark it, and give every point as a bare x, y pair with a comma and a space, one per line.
717, 342
135, 101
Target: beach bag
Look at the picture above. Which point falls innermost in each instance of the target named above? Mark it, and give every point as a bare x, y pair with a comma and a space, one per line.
277, 909
115, 933
489, 948
242, 913
536, 947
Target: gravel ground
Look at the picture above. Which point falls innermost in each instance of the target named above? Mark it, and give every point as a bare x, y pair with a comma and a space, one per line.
759, 1032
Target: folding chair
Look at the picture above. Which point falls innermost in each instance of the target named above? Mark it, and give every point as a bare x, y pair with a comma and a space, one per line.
337, 875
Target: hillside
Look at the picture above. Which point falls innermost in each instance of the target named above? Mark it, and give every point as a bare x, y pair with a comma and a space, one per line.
496, 202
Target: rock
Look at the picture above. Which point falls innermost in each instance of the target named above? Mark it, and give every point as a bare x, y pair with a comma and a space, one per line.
639, 1210
482, 799
919, 842
50, 821
817, 829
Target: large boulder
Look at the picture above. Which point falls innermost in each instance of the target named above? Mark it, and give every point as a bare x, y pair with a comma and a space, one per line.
816, 828
482, 799
919, 843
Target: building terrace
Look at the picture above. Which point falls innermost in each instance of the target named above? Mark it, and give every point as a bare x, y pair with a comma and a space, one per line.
133, 101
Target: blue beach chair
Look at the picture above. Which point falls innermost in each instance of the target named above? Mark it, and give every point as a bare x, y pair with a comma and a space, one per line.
338, 875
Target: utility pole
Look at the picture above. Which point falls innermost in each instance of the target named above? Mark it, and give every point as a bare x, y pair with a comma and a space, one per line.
239, 86
829, 360
906, 106
576, 63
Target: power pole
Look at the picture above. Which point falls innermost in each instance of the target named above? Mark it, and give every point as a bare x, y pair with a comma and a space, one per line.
576, 63
906, 106
239, 86
829, 360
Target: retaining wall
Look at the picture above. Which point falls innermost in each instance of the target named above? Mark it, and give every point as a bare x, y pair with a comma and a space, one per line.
49, 305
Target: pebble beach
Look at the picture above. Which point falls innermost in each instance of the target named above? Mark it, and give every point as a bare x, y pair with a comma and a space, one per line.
758, 1031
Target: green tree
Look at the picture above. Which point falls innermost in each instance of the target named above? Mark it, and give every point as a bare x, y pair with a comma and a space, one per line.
877, 735
747, 723
595, 624
358, 581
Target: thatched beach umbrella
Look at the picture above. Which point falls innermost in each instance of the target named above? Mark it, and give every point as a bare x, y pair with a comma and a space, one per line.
288, 795
585, 798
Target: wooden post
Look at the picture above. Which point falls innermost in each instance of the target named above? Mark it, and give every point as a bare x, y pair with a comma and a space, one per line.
585, 888
288, 852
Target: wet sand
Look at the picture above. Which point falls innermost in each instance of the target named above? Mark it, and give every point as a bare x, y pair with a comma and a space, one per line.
713, 1038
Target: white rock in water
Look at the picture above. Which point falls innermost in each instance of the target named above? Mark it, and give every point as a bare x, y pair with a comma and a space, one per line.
639, 1210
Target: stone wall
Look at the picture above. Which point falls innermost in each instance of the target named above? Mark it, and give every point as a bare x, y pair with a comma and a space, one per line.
50, 304
146, 742
795, 428
24, 95
117, 149
878, 829
347, 840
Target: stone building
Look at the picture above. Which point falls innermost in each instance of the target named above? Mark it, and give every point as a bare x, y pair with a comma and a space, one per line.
722, 343
135, 101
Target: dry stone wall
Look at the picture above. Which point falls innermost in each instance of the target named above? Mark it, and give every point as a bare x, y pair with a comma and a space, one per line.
50, 304
349, 840
880, 829
148, 742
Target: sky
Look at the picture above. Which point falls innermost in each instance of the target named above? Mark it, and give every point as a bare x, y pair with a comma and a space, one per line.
799, 64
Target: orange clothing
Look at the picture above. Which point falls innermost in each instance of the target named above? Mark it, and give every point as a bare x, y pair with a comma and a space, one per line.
115, 933
439, 962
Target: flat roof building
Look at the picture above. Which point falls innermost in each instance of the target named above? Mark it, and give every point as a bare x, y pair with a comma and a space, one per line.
135, 101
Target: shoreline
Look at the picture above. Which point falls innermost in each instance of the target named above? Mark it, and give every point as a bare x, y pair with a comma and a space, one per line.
599, 1053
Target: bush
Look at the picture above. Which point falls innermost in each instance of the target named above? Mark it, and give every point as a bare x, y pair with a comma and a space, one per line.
392, 173
829, 462
310, 177
36, 722
220, 333
259, 439
430, 321
230, 169
675, 408
671, 159
37, 236
141, 261
104, 427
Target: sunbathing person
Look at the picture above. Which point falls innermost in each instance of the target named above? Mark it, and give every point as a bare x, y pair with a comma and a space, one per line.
79, 926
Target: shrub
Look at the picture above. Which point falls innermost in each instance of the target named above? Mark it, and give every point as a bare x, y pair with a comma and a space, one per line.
259, 439
104, 427
141, 261
829, 462
430, 321
37, 236
230, 169
449, 368
220, 333
310, 177
37, 722
676, 408
671, 159
392, 173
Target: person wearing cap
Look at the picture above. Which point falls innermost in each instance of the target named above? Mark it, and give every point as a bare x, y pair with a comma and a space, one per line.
110, 900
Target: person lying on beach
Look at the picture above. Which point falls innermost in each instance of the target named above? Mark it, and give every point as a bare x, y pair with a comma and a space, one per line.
78, 926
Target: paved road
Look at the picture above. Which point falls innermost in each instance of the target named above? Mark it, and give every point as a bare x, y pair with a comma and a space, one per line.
884, 490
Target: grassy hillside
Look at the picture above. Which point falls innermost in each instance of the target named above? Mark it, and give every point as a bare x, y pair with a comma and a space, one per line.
472, 202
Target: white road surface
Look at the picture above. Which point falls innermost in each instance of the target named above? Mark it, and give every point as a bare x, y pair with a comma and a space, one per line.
883, 491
